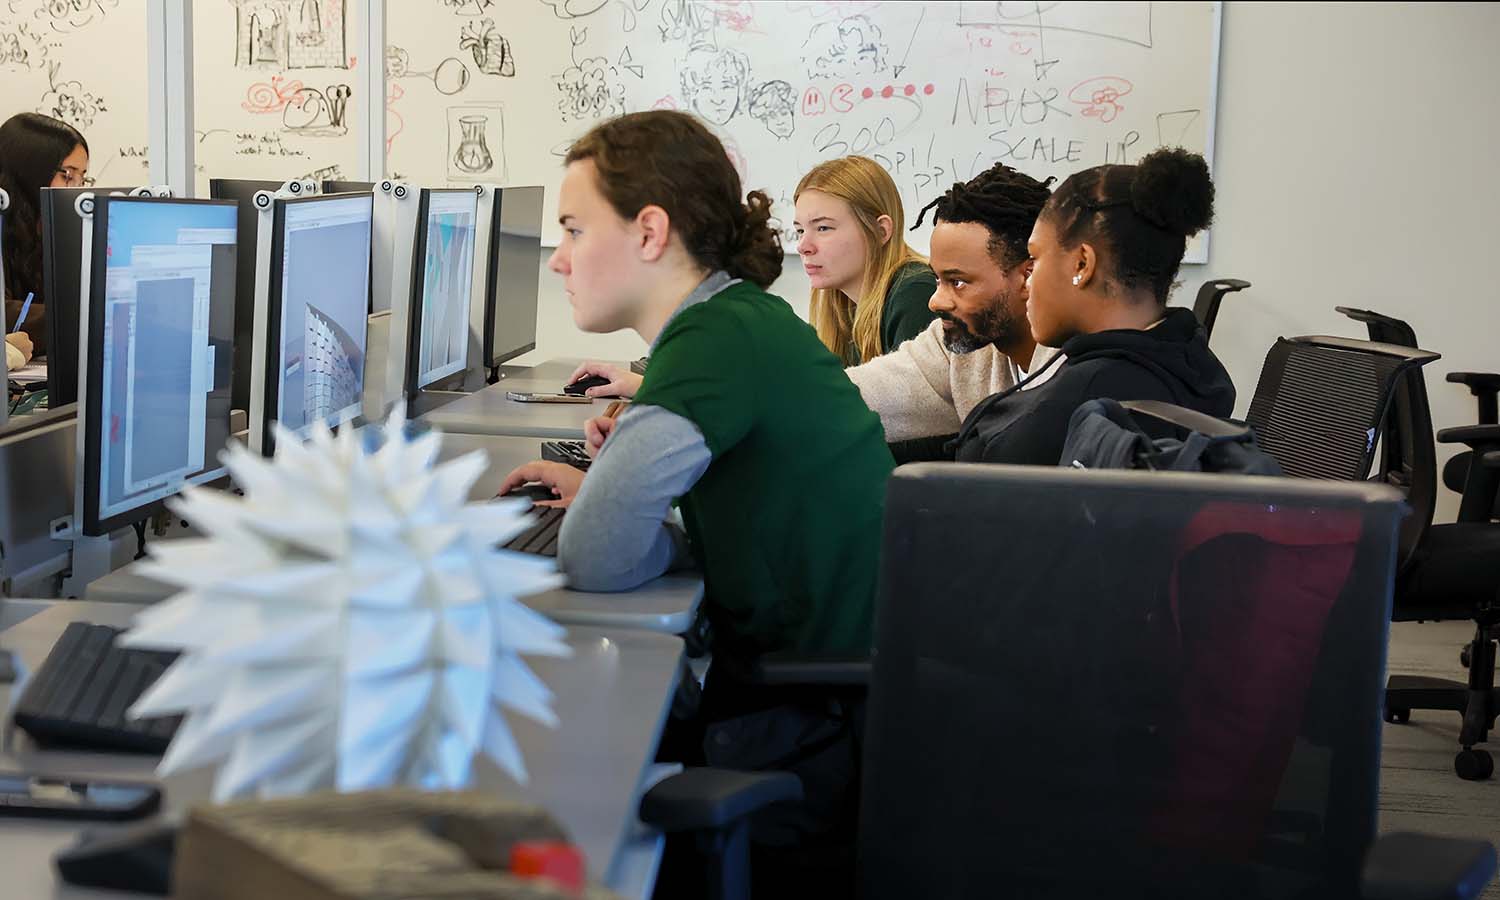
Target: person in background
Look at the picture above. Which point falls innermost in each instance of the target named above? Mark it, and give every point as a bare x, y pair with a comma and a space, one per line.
980, 343
869, 287
36, 151
1105, 253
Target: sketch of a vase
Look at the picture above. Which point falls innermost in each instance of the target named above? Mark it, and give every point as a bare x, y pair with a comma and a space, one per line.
473, 154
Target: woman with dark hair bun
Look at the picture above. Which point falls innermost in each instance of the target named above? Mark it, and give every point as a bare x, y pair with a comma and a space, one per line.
1105, 251
36, 151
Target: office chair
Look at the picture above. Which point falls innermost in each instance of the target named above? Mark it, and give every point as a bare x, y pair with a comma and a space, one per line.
1210, 295
1484, 386
1319, 408
1066, 665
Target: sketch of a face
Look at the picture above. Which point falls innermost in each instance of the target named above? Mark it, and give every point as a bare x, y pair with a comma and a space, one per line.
844, 49
714, 81
773, 103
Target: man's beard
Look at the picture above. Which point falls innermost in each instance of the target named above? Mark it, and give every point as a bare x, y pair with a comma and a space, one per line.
992, 325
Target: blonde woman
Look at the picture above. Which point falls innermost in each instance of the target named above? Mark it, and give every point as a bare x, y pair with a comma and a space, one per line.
870, 289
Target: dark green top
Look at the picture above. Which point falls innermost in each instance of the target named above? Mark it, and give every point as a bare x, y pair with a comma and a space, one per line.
786, 520
906, 314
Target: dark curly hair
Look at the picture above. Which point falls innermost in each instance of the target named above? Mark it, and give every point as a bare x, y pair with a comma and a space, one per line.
1139, 216
32, 146
669, 159
1001, 199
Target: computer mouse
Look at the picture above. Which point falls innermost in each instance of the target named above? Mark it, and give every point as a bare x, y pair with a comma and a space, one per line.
136, 858
535, 492
582, 385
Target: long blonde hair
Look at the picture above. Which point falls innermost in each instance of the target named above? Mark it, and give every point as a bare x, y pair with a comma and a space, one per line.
860, 182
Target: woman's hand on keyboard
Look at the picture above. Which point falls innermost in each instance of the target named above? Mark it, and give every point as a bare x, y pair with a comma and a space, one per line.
563, 479
595, 430
622, 381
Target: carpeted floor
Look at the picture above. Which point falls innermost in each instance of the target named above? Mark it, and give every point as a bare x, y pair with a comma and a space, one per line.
1418, 790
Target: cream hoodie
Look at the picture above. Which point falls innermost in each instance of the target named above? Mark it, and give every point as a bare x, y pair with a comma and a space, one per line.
923, 389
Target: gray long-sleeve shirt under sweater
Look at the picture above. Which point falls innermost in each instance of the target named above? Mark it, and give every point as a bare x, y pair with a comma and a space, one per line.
616, 535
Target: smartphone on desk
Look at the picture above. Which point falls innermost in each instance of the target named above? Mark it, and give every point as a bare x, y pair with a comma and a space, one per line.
530, 397
37, 796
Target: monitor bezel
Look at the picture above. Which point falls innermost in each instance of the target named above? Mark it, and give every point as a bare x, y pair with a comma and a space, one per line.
91, 413
242, 368
410, 387
271, 363
488, 340
57, 204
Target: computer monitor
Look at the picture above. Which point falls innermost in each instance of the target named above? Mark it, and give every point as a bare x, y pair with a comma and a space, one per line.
510, 294
315, 316
62, 259
155, 405
243, 191
348, 187
442, 279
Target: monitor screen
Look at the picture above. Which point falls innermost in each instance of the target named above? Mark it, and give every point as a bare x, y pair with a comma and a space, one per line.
318, 319
160, 331
243, 190
444, 271
510, 295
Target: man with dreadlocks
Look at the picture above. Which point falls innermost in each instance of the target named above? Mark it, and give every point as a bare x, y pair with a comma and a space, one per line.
980, 344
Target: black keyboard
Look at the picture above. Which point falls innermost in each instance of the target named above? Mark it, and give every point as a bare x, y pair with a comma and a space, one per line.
540, 538
79, 696
571, 452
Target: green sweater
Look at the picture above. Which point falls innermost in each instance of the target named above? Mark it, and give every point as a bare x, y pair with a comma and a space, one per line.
786, 521
905, 314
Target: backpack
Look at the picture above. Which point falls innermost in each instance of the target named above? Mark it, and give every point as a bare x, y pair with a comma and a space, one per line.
1104, 434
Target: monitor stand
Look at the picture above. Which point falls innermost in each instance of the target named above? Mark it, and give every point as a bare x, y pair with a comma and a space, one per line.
500, 373
428, 400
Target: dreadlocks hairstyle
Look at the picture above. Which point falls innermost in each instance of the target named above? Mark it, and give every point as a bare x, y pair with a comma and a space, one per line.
839, 319
1139, 217
1001, 199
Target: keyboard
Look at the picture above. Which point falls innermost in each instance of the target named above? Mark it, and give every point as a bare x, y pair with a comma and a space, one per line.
79, 696
541, 538
571, 452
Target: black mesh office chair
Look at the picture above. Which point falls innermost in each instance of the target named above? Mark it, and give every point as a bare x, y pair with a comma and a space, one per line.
1320, 408
1122, 684
1210, 295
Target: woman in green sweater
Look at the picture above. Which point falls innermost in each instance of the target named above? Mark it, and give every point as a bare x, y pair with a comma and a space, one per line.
743, 417
869, 287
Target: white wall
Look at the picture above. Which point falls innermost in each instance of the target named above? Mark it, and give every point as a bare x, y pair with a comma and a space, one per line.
1356, 165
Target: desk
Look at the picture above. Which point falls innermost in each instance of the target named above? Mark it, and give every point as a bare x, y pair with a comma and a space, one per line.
490, 412
612, 698
667, 604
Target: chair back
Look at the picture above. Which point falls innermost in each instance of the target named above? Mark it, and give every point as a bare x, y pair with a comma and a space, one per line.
1125, 684
1323, 403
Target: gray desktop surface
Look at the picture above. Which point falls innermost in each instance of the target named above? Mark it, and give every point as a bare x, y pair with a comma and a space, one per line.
666, 604
611, 698
490, 412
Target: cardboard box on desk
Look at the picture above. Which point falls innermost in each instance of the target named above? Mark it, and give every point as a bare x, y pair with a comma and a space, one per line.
378, 845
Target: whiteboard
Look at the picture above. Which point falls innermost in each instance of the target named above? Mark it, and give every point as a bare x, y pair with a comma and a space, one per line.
936, 92
275, 89
82, 61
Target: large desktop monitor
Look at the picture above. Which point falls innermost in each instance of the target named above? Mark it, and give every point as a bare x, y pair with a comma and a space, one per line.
62, 259
315, 316
348, 187
442, 281
510, 295
243, 191
155, 406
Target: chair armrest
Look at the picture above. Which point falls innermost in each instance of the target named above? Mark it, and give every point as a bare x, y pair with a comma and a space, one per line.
1480, 437
785, 670
1490, 460
714, 799
1478, 382
1407, 866
1187, 419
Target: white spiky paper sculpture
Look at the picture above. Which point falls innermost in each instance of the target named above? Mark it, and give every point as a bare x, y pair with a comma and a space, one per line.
348, 623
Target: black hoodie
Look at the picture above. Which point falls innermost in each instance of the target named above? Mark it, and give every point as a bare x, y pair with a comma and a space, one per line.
1170, 362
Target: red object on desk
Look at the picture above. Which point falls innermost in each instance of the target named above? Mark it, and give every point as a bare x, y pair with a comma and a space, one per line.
563, 863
